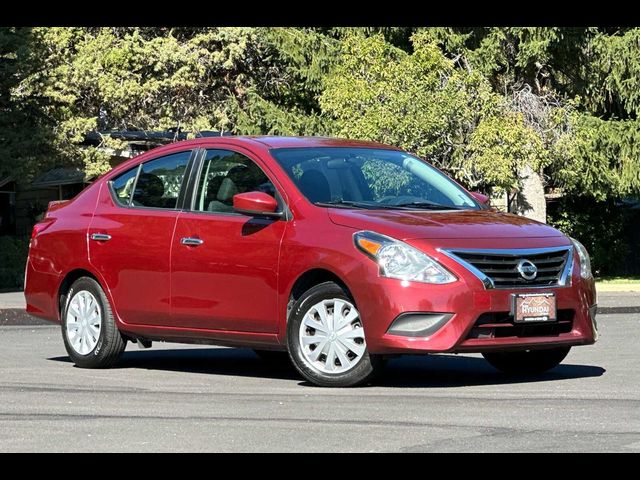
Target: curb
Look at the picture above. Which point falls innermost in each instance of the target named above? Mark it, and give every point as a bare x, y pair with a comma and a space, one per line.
617, 310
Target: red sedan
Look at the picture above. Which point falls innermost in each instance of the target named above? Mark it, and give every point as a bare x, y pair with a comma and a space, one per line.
339, 252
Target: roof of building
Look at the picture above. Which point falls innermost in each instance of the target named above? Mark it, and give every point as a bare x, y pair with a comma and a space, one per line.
59, 176
151, 137
271, 141
5, 180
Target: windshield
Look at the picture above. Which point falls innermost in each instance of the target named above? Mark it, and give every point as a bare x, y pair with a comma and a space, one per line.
370, 178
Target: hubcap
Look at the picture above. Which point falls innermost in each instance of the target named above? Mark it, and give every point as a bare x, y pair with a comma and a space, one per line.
331, 336
84, 322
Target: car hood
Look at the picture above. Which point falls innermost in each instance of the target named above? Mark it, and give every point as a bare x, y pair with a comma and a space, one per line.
465, 224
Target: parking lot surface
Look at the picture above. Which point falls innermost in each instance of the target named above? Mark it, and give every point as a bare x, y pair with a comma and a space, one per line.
178, 398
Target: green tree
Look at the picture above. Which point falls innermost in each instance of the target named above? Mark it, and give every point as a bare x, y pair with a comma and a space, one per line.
434, 107
25, 130
243, 80
591, 76
502, 108
418, 101
602, 158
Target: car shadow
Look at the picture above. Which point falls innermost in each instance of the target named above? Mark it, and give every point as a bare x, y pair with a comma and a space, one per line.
423, 371
213, 361
463, 371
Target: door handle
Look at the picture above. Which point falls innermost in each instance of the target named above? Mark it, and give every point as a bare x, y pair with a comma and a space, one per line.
100, 237
191, 242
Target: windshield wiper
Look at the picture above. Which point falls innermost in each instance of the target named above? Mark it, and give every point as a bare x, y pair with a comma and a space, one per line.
381, 206
345, 204
428, 205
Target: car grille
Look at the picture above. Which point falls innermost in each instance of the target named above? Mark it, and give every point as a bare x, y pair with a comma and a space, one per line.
501, 325
499, 269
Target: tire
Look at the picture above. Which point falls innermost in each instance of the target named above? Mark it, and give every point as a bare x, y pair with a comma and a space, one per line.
273, 357
532, 362
347, 345
99, 348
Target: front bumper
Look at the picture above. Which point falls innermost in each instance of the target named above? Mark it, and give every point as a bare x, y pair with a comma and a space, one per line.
382, 300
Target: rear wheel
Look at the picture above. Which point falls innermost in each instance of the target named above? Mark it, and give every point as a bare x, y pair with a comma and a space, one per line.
531, 362
90, 334
326, 341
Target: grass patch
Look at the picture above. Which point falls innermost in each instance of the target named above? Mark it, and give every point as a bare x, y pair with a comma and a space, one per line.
632, 279
630, 283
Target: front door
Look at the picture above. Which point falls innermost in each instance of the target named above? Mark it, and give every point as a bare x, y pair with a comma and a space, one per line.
130, 237
224, 273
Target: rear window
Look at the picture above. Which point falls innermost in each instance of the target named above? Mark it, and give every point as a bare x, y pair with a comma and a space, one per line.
160, 181
155, 184
123, 185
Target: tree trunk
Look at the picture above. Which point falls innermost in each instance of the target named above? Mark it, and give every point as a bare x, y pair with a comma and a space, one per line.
529, 201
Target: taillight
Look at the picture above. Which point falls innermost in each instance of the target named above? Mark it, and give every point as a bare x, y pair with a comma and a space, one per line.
39, 228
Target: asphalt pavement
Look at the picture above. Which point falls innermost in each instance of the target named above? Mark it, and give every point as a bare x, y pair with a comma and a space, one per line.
175, 398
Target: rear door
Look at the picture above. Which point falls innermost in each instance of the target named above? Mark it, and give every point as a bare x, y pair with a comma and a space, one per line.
130, 236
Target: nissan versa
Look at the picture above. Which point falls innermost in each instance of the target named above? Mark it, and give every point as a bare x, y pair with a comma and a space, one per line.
340, 252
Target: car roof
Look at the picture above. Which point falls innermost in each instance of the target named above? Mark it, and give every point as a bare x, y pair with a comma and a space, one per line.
265, 142
272, 141
292, 142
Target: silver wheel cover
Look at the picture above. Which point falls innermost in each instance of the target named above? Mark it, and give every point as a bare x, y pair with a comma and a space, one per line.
331, 336
83, 322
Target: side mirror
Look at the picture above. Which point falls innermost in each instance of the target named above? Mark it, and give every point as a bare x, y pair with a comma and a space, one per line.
256, 204
481, 198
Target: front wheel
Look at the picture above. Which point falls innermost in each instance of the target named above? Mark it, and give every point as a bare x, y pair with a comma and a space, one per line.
90, 334
531, 362
325, 339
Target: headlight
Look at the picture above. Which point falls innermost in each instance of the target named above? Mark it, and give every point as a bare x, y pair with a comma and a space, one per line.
399, 260
585, 261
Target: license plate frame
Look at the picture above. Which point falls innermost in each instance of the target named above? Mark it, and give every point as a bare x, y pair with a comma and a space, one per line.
534, 307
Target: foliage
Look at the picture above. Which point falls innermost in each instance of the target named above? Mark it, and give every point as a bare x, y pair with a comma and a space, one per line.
599, 158
585, 219
433, 107
244, 80
26, 143
562, 100
421, 101
501, 146
481, 102
13, 258
612, 76
545, 58
478, 101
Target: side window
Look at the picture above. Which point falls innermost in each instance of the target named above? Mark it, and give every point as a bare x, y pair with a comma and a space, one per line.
224, 174
160, 180
123, 185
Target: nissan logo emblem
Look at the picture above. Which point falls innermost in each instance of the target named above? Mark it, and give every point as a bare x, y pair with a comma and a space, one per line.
527, 269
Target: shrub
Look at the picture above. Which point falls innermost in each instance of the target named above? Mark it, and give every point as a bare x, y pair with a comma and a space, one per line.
13, 258
599, 226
